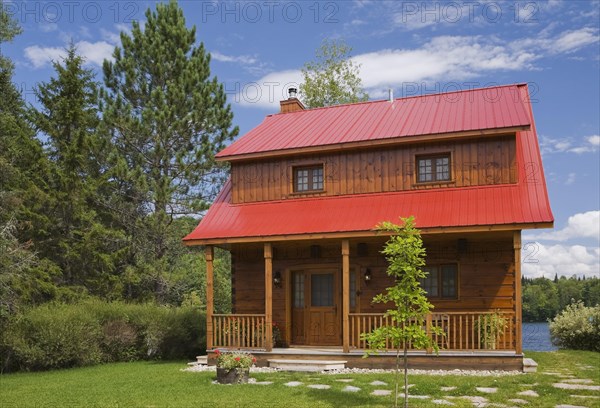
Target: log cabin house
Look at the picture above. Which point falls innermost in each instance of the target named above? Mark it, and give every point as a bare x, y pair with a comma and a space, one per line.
307, 188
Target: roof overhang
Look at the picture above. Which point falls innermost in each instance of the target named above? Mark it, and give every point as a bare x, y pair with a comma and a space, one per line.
375, 143
365, 234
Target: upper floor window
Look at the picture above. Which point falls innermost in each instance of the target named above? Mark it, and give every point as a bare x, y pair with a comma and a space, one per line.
433, 168
441, 281
308, 178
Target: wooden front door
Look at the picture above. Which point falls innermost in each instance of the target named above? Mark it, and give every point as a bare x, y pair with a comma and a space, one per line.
315, 312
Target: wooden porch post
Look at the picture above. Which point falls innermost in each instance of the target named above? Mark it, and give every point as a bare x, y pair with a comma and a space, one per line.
268, 250
428, 322
208, 255
345, 295
517, 298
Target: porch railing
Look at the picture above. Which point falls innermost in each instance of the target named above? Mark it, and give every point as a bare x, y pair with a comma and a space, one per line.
239, 330
463, 331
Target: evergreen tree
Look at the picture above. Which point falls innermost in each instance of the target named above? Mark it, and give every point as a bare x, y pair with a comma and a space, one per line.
75, 237
167, 118
23, 278
332, 78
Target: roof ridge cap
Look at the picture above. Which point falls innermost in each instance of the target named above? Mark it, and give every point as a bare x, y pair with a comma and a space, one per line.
516, 84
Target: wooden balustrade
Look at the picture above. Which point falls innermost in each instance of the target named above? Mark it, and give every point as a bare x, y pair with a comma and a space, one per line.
467, 331
462, 330
239, 330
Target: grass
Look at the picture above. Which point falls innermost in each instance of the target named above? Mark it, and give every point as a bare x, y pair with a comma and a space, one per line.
157, 384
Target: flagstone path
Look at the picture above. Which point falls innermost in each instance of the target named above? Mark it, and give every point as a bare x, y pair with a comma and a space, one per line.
564, 379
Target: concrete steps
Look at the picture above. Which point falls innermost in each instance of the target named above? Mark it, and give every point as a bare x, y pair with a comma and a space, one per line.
307, 365
200, 360
529, 366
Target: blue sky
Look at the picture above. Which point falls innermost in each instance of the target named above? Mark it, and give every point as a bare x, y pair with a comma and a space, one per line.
258, 48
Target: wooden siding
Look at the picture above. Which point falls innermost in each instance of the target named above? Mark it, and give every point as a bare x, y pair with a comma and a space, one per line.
486, 273
474, 162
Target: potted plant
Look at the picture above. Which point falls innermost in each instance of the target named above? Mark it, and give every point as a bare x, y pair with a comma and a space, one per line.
491, 327
233, 367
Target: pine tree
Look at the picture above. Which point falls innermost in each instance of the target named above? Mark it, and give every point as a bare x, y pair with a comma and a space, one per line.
75, 237
167, 118
332, 78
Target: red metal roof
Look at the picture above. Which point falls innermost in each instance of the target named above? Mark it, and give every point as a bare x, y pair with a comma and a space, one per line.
525, 202
477, 109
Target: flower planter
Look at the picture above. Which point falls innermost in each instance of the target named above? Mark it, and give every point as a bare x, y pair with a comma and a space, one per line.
233, 375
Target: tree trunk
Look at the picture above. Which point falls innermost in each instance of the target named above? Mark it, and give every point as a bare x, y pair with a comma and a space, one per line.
405, 376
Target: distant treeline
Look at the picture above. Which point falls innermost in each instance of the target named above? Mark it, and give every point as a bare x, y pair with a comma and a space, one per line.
545, 298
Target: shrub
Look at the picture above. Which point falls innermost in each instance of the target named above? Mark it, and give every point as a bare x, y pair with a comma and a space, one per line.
62, 336
52, 336
577, 327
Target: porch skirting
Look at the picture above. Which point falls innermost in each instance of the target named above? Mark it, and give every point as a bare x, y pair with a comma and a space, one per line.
446, 360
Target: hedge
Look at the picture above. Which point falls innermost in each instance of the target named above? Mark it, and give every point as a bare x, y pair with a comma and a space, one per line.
72, 335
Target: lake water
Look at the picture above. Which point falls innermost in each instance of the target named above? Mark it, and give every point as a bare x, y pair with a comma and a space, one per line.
536, 337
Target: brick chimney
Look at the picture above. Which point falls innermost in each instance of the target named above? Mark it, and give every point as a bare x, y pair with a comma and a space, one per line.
291, 104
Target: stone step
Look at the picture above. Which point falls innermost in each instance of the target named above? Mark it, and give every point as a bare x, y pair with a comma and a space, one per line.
202, 360
308, 365
529, 366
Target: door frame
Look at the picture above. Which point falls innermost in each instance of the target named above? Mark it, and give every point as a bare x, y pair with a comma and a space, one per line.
308, 270
289, 293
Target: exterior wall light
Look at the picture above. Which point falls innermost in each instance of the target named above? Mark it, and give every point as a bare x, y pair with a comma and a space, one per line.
277, 279
368, 275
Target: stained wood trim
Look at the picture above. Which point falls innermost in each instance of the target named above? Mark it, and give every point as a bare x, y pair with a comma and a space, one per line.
517, 293
308, 166
374, 143
364, 234
434, 154
288, 287
268, 254
345, 295
209, 255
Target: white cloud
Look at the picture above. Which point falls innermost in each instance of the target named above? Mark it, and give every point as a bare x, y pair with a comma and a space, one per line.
563, 260
594, 140
589, 144
581, 225
110, 36
444, 58
40, 56
268, 90
571, 41
94, 53
565, 42
243, 59
570, 179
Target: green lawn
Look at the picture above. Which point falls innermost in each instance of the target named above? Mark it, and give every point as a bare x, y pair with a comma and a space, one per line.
147, 384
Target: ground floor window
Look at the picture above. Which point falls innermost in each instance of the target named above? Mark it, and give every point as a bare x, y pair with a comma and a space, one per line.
441, 281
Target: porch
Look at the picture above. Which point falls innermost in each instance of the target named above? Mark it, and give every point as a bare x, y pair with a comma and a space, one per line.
315, 297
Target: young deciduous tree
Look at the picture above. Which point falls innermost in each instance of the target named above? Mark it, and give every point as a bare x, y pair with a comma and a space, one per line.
332, 78
405, 254
167, 118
